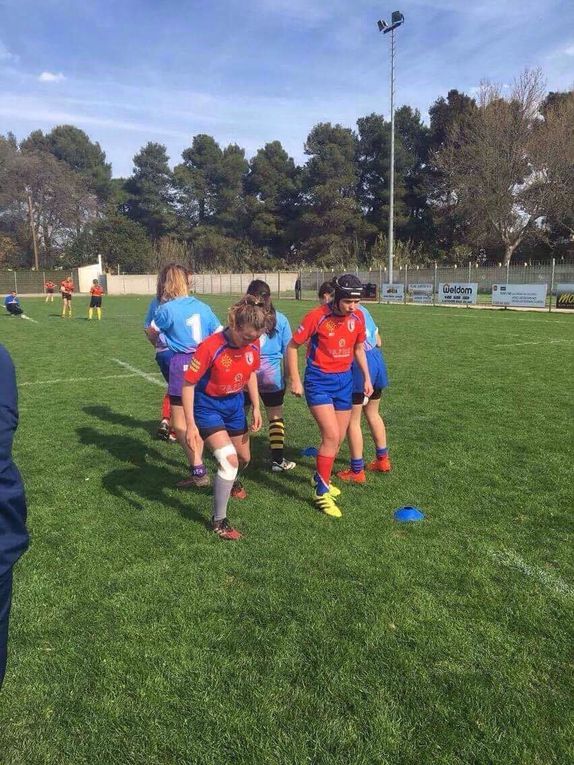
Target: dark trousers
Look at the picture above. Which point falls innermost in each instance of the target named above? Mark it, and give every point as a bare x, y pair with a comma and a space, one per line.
5, 600
14, 309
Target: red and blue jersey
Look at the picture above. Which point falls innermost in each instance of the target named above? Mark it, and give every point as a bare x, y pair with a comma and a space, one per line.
332, 338
219, 369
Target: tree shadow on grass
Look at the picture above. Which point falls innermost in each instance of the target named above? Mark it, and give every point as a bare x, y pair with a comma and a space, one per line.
148, 481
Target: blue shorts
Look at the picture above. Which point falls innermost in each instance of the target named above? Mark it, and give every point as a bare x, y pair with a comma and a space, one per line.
377, 370
162, 360
334, 388
215, 414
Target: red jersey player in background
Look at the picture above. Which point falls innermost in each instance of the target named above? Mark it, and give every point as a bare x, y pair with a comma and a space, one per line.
67, 288
49, 286
96, 293
335, 333
212, 396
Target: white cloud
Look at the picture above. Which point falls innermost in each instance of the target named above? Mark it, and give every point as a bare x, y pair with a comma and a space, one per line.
569, 51
51, 77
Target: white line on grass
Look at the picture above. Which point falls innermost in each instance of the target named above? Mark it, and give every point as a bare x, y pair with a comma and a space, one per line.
511, 559
531, 342
29, 318
76, 379
150, 378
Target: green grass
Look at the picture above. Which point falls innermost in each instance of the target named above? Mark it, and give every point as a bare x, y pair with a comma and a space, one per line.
139, 637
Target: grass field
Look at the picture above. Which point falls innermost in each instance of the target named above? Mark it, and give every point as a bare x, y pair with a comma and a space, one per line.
138, 637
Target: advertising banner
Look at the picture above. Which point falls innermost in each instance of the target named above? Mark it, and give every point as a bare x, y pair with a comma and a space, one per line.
459, 293
565, 296
519, 295
392, 293
420, 293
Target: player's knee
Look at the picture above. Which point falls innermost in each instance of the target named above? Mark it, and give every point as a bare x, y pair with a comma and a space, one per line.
227, 461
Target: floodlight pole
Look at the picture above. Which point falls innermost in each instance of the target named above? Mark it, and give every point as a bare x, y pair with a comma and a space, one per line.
392, 180
397, 19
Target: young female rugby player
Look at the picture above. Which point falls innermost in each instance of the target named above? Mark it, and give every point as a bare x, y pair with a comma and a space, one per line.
213, 401
378, 372
183, 322
335, 333
270, 375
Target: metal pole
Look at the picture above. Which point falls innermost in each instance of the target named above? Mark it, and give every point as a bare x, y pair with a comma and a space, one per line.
406, 284
392, 180
434, 286
552, 283
469, 267
380, 281
507, 271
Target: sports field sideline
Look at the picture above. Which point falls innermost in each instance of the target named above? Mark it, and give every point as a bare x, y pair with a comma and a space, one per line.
139, 637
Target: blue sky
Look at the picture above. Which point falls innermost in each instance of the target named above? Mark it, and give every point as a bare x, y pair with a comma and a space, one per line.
253, 71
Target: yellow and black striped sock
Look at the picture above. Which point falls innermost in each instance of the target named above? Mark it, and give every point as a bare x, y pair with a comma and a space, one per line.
277, 438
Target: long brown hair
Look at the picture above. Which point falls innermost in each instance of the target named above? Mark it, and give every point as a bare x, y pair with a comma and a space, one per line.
248, 312
261, 290
172, 282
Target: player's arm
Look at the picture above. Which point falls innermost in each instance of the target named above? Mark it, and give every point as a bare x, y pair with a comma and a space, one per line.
301, 335
187, 398
379, 342
256, 420
361, 359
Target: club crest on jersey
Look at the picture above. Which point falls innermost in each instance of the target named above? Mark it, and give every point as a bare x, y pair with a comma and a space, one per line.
342, 343
351, 325
249, 358
330, 325
238, 377
226, 361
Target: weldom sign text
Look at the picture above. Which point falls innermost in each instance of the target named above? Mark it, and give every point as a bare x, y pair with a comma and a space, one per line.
565, 296
451, 292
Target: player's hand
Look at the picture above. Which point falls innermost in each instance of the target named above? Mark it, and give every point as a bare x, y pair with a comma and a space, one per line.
296, 387
256, 421
192, 437
368, 389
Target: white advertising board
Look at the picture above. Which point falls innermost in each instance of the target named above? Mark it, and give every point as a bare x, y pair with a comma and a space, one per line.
392, 293
525, 295
457, 292
420, 293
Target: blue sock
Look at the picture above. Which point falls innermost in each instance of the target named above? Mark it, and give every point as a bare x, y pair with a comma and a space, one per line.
382, 452
357, 465
199, 470
320, 487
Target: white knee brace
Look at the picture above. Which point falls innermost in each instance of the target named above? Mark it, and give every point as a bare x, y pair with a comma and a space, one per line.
226, 470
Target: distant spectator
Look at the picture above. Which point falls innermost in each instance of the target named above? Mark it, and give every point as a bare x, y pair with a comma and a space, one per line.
13, 534
298, 288
12, 304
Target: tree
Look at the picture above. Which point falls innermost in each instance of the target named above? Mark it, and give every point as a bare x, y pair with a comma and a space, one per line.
331, 224
272, 188
150, 196
198, 179
490, 173
120, 241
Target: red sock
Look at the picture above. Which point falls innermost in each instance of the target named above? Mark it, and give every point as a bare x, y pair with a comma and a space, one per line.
165, 407
324, 468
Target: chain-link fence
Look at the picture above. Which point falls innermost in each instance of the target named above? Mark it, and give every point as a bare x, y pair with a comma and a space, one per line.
32, 282
550, 273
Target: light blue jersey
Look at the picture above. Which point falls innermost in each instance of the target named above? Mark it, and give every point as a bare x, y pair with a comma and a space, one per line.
185, 322
270, 376
11, 300
151, 309
371, 330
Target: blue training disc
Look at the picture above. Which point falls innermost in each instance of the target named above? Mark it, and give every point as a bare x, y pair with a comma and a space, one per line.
408, 513
310, 451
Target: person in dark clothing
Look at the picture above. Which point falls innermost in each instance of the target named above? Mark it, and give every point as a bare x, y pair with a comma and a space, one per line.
298, 288
13, 533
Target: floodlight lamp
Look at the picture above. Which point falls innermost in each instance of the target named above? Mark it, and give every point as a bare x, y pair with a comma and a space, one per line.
382, 25
397, 17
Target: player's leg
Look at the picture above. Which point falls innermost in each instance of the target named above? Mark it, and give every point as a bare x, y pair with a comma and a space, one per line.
90, 310
378, 430
227, 460
356, 471
329, 429
236, 424
274, 408
198, 473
